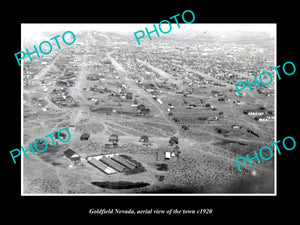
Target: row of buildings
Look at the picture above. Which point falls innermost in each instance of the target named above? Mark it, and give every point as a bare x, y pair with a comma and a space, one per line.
108, 164
260, 114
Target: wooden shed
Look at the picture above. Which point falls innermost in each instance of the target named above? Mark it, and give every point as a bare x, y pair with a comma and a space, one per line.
84, 137
144, 138
173, 140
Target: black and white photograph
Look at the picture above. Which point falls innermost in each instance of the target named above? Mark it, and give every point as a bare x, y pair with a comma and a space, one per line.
155, 112
147, 114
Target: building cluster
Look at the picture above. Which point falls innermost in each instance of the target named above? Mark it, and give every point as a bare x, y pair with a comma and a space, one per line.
31, 69
68, 69
55, 73
111, 163
108, 164
260, 114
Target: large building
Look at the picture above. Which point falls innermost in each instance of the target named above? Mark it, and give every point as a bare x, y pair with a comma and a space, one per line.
111, 163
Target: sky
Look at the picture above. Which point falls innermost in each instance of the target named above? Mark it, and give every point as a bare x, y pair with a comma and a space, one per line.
36, 30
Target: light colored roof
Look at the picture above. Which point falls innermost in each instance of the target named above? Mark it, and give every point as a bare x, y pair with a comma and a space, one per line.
69, 153
101, 166
167, 155
123, 161
112, 164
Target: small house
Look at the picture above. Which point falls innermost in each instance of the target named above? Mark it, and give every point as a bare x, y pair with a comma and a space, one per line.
145, 111
62, 135
129, 95
235, 127
72, 128
222, 99
72, 156
108, 145
144, 138
176, 119
140, 107
173, 141
40, 144
114, 139
84, 137
167, 155
222, 131
184, 127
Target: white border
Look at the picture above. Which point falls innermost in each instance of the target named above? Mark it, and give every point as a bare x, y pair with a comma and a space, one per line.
136, 27
275, 111
22, 118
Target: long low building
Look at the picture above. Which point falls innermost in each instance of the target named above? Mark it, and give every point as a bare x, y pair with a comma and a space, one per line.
124, 162
112, 164
101, 166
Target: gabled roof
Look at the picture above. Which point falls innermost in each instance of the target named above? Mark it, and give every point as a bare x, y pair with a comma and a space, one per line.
144, 137
113, 137
101, 166
63, 135
85, 135
113, 164
141, 106
175, 139
123, 161
69, 153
